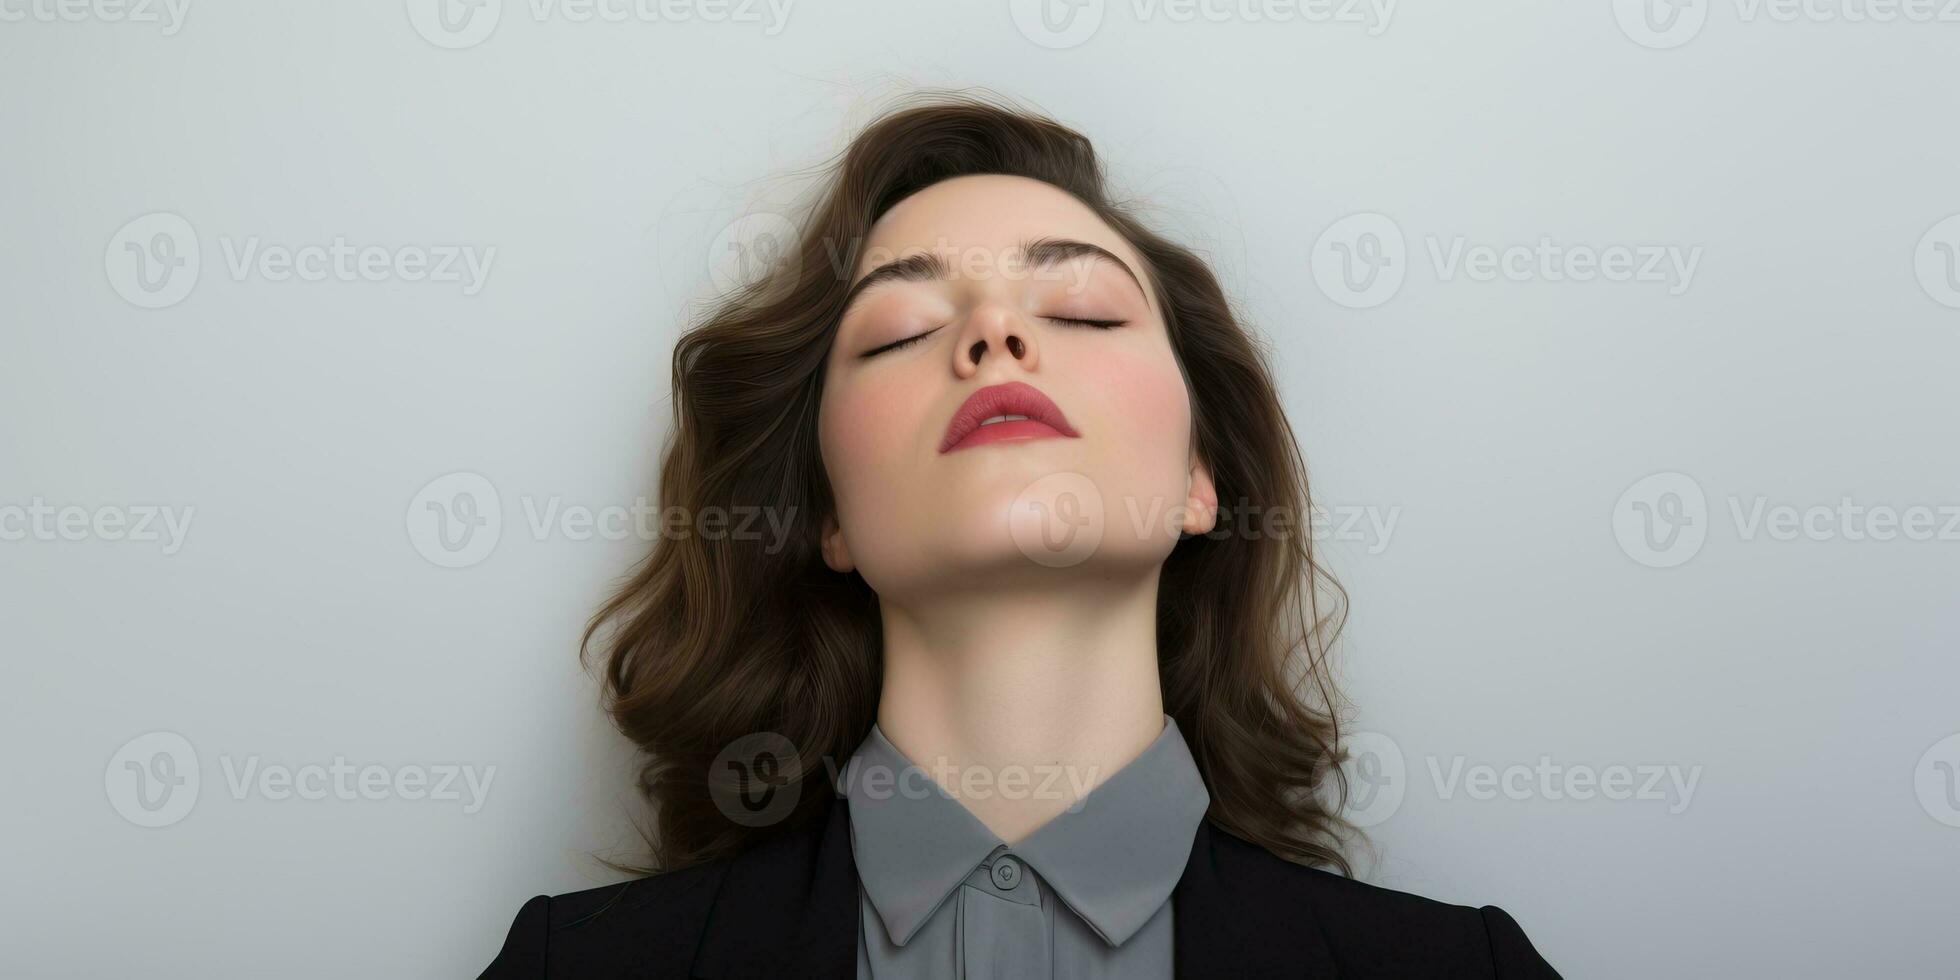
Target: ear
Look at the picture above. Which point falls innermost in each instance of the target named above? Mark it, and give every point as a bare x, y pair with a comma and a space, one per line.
836, 553
1201, 501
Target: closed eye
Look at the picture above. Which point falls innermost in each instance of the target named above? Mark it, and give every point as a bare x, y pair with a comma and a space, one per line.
1077, 321
899, 344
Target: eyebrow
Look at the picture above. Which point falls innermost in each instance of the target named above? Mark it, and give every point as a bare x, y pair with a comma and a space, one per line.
1040, 254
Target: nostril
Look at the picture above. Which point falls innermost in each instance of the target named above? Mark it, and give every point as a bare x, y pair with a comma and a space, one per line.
978, 349
1015, 348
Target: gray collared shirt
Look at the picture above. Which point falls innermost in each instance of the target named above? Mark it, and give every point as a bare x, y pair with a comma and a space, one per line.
1087, 895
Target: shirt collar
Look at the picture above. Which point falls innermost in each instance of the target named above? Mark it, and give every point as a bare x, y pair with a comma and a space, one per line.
1114, 857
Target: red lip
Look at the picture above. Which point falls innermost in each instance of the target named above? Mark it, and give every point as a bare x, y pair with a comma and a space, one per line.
1044, 420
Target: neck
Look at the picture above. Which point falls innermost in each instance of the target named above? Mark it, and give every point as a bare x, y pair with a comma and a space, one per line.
1018, 702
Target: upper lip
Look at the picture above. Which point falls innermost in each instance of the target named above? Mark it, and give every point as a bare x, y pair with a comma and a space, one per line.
1012, 398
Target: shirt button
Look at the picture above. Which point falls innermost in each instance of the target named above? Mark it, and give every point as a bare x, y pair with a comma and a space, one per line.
1006, 873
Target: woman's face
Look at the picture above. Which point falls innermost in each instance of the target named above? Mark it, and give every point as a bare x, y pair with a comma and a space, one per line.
1038, 306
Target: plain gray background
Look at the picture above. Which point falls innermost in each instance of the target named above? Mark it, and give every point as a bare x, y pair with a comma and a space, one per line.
1556, 503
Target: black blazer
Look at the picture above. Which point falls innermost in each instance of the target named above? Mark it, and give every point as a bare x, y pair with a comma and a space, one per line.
789, 907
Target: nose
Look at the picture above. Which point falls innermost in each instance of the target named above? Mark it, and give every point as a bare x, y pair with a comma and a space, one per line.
995, 331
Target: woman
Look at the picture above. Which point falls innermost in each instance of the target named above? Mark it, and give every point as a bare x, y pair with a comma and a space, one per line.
1037, 685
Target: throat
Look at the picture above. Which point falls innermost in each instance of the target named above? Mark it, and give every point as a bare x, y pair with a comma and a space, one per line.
1019, 705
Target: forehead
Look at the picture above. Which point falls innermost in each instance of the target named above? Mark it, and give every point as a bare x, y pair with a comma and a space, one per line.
987, 211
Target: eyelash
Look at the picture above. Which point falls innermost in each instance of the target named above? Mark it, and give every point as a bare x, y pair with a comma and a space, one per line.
1078, 321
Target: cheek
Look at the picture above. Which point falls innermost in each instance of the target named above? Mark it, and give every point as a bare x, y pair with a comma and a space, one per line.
1147, 405
864, 443
1141, 463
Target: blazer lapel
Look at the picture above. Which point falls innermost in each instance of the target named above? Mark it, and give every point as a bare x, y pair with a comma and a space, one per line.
1234, 915
787, 907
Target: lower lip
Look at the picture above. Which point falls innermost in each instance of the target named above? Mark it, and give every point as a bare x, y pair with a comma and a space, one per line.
1018, 430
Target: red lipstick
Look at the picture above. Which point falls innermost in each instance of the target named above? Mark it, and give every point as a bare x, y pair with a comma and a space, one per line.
1014, 411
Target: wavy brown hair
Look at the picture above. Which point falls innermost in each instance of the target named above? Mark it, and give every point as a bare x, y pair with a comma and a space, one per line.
714, 637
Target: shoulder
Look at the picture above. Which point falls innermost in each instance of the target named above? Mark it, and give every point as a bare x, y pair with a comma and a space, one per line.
658, 926
642, 927
1371, 930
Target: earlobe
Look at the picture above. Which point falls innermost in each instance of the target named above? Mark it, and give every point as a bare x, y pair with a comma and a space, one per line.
1201, 502
836, 553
